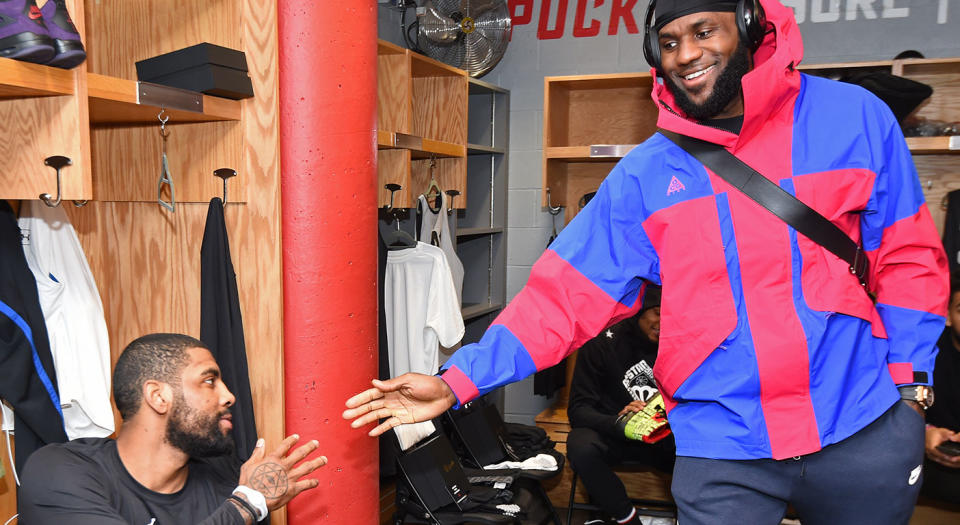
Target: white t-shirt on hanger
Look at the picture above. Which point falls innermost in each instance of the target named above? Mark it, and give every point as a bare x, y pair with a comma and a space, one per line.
73, 314
422, 311
439, 224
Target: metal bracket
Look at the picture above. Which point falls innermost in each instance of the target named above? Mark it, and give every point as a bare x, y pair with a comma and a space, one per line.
169, 97
408, 141
610, 150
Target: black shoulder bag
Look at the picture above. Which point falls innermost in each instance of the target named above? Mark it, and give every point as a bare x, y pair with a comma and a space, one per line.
780, 203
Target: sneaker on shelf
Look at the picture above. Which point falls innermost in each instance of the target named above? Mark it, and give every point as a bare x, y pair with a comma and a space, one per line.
66, 38
23, 36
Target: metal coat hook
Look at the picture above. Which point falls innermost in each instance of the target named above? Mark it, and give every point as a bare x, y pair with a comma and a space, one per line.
393, 188
452, 194
553, 210
225, 173
165, 176
56, 162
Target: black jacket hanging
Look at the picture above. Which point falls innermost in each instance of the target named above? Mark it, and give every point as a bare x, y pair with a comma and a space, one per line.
221, 325
28, 381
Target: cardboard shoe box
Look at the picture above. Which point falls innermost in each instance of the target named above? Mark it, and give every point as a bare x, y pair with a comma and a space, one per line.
205, 68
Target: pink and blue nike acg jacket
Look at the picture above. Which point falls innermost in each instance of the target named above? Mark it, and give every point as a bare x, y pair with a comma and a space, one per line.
769, 346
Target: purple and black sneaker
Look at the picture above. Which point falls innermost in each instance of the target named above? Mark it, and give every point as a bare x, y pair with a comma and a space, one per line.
23, 35
65, 36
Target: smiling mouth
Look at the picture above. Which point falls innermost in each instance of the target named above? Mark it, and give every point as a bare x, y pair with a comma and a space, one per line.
698, 74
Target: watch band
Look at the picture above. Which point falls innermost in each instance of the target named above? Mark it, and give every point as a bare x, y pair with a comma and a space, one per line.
256, 500
920, 394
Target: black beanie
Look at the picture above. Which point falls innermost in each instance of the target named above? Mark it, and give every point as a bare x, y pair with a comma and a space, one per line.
651, 297
669, 10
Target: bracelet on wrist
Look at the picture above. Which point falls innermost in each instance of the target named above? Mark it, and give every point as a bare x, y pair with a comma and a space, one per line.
245, 505
255, 499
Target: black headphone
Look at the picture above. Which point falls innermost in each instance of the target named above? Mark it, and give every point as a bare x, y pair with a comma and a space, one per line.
751, 23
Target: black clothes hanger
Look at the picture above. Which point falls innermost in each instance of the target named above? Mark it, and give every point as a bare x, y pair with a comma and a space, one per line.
396, 239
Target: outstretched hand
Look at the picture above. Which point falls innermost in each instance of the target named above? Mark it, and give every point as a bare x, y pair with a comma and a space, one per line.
410, 398
277, 475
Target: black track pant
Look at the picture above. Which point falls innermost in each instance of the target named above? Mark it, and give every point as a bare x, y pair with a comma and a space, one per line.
593, 455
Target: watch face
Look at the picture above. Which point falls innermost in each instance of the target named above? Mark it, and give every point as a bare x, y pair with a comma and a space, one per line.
926, 393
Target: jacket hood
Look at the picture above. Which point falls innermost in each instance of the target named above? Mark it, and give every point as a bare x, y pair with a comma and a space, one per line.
767, 88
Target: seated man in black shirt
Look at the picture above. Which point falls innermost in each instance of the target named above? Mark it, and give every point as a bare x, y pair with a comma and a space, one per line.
172, 461
614, 376
941, 470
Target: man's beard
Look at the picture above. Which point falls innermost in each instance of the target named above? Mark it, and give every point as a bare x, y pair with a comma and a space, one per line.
725, 89
197, 435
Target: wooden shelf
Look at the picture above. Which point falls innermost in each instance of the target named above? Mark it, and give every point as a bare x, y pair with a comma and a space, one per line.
386, 139
593, 153
23, 80
471, 311
476, 232
420, 148
114, 101
423, 66
478, 149
934, 145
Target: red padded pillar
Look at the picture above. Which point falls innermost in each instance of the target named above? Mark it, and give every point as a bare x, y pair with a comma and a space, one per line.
328, 115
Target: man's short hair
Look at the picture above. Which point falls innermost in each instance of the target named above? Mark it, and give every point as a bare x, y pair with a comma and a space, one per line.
954, 283
158, 357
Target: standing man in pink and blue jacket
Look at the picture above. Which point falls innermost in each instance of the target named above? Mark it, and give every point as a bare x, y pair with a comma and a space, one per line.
783, 378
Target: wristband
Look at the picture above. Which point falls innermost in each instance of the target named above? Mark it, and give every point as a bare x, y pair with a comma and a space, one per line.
256, 500
245, 506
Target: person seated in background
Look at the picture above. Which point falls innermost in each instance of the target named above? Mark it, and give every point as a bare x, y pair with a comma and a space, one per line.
172, 460
613, 381
941, 479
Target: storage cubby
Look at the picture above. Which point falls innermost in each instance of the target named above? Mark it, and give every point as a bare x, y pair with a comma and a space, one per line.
481, 225
421, 109
484, 281
487, 137
588, 120
125, 135
40, 116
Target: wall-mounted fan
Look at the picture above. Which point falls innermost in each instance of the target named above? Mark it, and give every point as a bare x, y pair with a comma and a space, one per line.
468, 34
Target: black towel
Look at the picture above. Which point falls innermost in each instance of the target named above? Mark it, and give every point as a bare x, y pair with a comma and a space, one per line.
221, 325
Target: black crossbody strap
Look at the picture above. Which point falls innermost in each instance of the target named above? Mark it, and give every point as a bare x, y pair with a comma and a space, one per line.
775, 199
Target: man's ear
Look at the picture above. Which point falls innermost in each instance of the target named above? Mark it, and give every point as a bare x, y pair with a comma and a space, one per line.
158, 396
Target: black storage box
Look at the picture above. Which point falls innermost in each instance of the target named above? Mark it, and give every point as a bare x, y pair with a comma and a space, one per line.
206, 68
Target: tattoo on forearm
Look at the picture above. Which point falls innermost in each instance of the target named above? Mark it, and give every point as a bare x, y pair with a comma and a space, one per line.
270, 479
